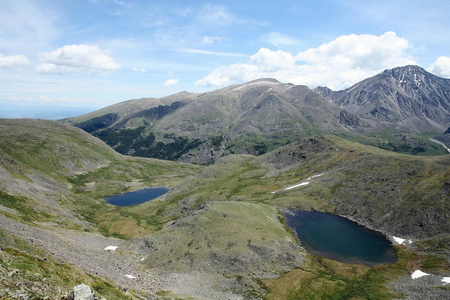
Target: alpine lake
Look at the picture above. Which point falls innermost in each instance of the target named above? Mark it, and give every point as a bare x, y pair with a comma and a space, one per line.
137, 197
321, 234
340, 239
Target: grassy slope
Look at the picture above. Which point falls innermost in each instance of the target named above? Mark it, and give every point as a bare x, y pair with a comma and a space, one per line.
399, 141
375, 187
131, 107
397, 193
52, 174
401, 194
86, 171
236, 188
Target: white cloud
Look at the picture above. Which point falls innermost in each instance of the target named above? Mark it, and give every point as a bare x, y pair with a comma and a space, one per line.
171, 82
269, 60
212, 39
199, 51
337, 64
123, 4
441, 67
8, 61
216, 15
139, 69
44, 98
154, 22
366, 51
25, 25
75, 58
280, 40
227, 75
184, 12
13, 98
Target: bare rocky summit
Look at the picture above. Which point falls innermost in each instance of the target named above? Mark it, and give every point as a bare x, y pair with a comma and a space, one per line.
408, 97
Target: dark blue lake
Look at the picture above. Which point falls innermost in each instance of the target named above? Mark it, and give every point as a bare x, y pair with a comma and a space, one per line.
340, 239
138, 197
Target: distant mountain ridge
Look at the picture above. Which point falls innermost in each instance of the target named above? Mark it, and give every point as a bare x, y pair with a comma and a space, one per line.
249, 118
264, 114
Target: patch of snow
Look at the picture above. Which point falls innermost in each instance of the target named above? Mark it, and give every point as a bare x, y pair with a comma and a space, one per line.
410, 241
142, 259
314, 176
446, 280
111, 248
398, 240
300, 184
418, 274
297, 185
304, 182
130, 276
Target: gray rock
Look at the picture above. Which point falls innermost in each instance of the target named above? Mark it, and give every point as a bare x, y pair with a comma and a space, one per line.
83, 292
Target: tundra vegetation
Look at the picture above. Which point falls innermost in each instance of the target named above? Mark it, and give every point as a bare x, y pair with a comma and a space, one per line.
220, 226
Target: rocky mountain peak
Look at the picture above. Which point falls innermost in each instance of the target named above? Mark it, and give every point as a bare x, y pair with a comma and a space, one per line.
324, 91
408, 96
405, 71
408, 76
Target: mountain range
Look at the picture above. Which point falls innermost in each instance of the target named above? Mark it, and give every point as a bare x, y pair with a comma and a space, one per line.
398, 109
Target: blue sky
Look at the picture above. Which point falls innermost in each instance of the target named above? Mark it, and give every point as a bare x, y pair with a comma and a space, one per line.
72, 56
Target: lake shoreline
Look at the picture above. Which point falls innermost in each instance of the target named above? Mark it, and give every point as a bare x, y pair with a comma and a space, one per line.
137, 197
293, 219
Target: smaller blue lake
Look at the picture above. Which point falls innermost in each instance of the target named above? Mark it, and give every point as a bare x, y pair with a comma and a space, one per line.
138, 197
340, 239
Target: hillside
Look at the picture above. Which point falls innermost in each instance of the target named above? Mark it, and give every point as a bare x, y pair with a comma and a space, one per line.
380, 189
122, 110
397, 110
54, 223
254, 118
406, 97
219, 232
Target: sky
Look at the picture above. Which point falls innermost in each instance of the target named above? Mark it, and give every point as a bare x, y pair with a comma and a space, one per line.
61, 58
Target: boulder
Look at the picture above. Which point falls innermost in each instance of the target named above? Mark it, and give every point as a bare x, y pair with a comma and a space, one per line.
82, 292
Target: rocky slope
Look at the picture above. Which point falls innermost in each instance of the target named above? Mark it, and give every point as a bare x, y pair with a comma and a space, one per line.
405, 97
397, 110
222, 206
374, 187
254, 118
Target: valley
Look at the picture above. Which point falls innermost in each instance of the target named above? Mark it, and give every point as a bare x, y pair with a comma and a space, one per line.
234, 160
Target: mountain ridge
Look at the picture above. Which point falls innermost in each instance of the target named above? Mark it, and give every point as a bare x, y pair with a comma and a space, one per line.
408, 97
263, 114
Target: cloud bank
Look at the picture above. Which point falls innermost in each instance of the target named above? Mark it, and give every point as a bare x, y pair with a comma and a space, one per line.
9, 61
75, 58
441, 67
337, 64
170, 82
